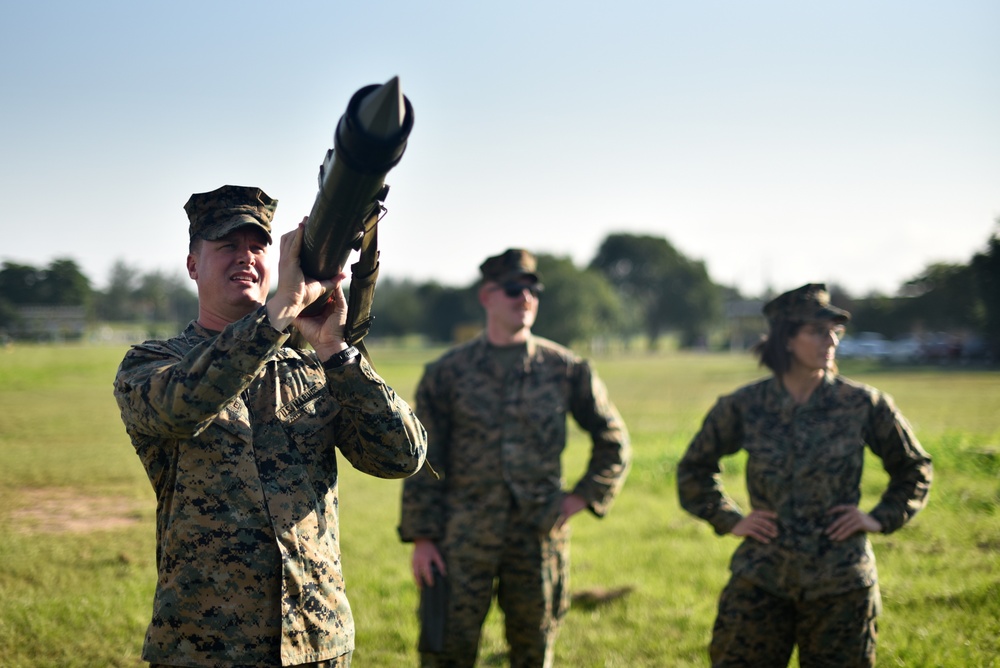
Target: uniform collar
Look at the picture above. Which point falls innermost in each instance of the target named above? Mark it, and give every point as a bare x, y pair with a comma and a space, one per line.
778, 397
484, 360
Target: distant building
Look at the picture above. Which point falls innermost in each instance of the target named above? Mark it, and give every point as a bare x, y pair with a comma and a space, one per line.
49, 323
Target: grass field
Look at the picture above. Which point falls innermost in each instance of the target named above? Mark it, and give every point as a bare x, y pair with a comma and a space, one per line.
77, 523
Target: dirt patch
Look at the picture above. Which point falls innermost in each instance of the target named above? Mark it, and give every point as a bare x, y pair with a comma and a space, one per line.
68, 510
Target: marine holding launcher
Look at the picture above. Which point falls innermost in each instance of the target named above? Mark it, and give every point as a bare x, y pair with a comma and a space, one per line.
238, 430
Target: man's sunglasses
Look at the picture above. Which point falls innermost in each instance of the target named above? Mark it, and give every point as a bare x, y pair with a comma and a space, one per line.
514, 289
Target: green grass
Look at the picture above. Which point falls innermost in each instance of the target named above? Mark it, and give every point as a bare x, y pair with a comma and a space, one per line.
79, 594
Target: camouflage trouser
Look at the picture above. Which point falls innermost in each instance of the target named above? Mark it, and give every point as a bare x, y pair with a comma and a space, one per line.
757, 628
342, 661
530, 576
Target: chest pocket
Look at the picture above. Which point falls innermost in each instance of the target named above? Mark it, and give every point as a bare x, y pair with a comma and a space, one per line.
310, 450
543, 402
303, 407
235, 418
307, 413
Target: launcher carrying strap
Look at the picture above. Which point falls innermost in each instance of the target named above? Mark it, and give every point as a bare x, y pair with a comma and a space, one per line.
364, 274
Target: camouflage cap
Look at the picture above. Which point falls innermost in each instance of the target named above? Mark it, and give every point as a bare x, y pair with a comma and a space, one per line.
512, 264
215, 214
810, 302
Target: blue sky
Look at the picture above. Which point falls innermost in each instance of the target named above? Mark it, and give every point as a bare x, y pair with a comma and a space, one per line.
780, 142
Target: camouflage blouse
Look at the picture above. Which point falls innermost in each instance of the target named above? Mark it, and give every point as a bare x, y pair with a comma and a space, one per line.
802, 461
238, 436
496, 435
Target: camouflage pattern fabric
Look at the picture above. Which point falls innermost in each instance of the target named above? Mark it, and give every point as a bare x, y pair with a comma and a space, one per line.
528, 571
755, 628
342, 661
215, 214
238, 436
802, 461
496, 435
512, 265
804, 304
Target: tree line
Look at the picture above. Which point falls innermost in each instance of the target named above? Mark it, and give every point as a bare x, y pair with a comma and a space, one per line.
635, 287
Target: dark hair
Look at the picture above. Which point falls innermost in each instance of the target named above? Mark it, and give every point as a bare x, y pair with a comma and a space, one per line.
772, 349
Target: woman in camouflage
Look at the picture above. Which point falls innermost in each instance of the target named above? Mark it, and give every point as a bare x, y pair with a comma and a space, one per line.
805, 572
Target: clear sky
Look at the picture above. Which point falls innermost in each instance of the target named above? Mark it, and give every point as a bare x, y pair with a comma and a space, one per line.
851, 142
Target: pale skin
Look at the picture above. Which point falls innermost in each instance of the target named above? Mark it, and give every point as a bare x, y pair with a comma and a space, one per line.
508, 322
233, 280
813, 350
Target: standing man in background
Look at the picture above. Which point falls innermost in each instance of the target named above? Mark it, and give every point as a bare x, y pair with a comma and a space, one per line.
239, 435
497, 516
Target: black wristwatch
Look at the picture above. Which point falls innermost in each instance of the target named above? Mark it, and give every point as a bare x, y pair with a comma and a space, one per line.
338, 360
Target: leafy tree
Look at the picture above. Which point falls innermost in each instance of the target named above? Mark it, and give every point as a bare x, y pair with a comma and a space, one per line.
396, 309
877, 313
165, 298
60, 284
576, 305
9, 318
447, 311
942, 298
986, 275
20, 284
672, 292
154, 297
63, 284
115, 303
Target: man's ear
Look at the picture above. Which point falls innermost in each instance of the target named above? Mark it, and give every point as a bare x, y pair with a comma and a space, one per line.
192, 266
482, 292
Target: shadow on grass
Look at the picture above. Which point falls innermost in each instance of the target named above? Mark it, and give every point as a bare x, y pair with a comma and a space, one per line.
591, 599
584, 600
974, 599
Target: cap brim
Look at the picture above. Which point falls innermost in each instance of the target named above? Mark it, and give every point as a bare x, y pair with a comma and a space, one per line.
518, 276
833, 313
219, 230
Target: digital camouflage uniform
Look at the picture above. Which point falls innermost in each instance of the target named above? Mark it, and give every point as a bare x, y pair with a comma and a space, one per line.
238, 435
802, 461
495, 436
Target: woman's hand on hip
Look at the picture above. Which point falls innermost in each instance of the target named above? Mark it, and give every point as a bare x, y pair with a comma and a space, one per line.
761, 525
850, 520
